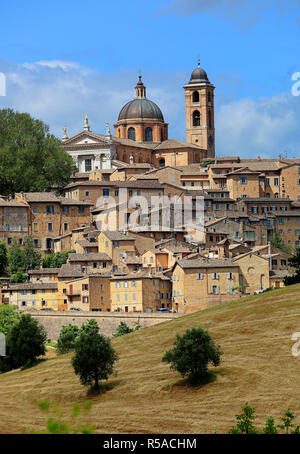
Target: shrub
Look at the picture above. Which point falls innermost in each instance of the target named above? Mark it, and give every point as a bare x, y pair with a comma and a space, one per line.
192, 353
24, 344
54, 423
123, 328
67, 337
245, 423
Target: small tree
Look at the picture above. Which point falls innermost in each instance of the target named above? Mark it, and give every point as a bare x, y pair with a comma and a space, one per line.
3, 258
295, 263
67, 337
94, 358
18, 277
8, 317
90, 327
123, 328
32, 258
245, 422
277, 241
25, 343
57, 259
192, 353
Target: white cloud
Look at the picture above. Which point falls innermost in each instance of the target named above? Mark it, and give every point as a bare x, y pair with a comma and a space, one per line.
60, 93
266, 127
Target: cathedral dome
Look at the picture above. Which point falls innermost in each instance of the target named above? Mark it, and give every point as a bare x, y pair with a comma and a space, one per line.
198, 75
141, 108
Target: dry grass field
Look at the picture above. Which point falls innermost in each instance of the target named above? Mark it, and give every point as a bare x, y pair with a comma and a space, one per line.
147, 397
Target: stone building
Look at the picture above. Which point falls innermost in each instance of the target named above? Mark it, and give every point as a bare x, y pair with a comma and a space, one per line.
199, 103
141, 133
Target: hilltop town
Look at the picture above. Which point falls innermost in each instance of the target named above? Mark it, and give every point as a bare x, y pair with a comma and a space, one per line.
143, 266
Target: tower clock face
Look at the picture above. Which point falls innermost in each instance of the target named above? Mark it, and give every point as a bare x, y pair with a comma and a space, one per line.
210, 141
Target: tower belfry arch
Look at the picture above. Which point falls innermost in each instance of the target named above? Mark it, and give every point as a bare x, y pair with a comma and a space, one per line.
199, 105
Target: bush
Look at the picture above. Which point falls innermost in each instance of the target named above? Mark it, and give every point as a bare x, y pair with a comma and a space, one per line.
94, 356
8, 317
57, 259
54, 423
123, 328
246, 418
192, 353
24, 344
67, 337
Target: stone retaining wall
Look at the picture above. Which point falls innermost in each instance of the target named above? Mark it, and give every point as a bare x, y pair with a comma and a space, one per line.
107, 321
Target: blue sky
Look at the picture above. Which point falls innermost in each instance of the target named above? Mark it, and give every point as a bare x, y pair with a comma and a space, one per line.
65, 59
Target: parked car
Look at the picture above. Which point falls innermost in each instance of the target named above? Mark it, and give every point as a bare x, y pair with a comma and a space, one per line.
75, 309
163, 309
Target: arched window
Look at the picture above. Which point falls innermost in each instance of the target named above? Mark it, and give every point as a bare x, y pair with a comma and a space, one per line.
195, 96
209, 98
196, 118
148, 134
131, 133
162, 162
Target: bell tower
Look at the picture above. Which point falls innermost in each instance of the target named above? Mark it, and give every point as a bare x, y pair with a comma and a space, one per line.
199, 105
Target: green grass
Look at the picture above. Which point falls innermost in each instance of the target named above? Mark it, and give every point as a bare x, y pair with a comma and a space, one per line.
147, 397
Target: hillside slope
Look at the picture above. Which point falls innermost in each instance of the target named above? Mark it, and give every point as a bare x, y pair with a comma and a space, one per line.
146, 397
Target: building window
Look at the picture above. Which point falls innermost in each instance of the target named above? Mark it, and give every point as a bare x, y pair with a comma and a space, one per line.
50, 227
199, 276
215, 276
148, 134
65, 210
50, 209
243, 180
105, 192
20, 211
215, 289
80, 209
196, 118
20, 228
66, 226
131, 134
35, 210
7, 227
88, 165
276, 181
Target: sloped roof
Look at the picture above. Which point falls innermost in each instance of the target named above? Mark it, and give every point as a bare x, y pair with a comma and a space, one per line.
206, 263
92, 256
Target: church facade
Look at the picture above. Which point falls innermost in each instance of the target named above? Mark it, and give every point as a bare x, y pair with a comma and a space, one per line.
141, 133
